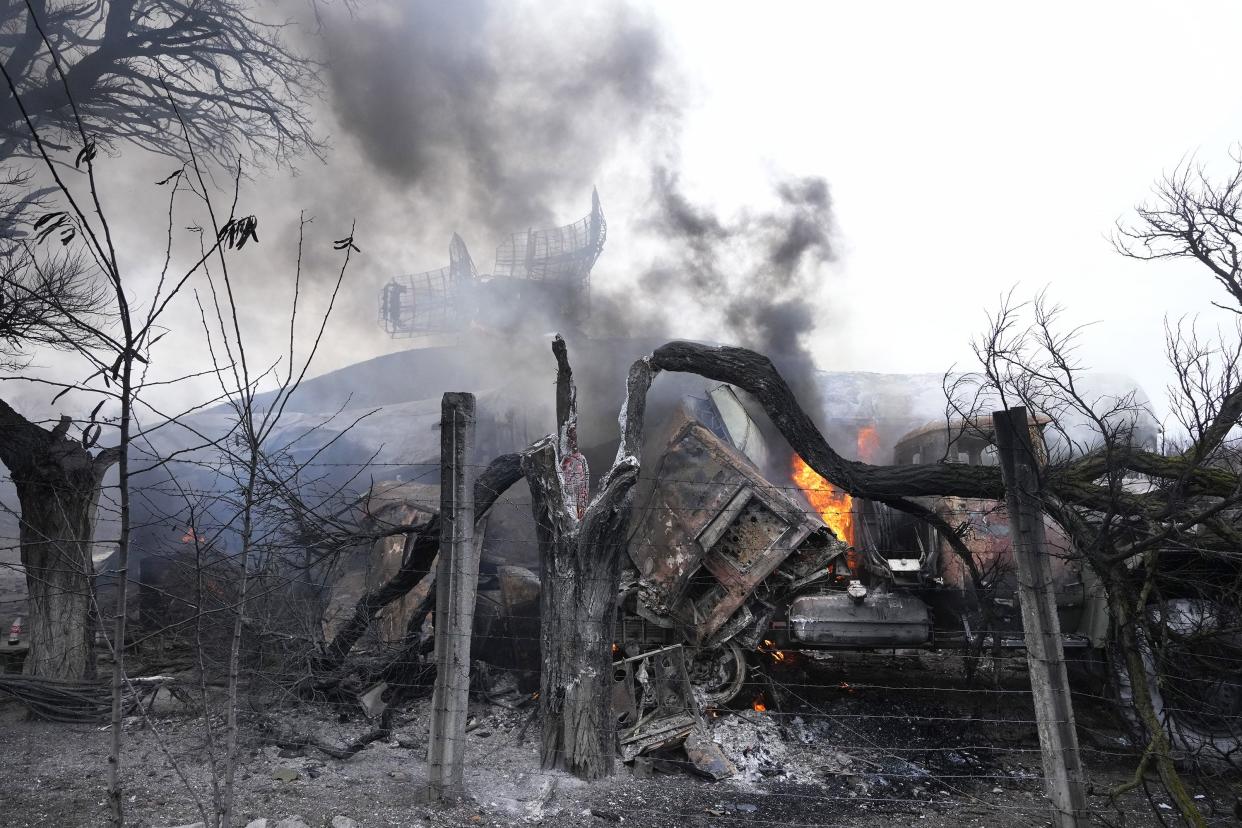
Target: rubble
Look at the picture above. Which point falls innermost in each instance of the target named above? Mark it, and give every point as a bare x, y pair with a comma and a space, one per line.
707, 757
752, 741
783, 762
286, 775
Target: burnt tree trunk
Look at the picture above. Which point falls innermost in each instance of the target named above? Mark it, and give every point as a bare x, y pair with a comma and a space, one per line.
58, 483
582, 550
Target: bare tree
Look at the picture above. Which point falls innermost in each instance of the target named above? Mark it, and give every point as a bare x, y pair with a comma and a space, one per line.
245, 463
207, 77
41, 296
58, 483
1160, 547
136, 69
118, 355
1192, 216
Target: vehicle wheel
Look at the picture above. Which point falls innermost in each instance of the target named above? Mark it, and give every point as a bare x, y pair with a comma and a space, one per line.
718, 674
1193, 679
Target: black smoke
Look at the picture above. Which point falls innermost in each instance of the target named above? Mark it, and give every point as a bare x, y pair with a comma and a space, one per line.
752, 280
491, 117
496, 110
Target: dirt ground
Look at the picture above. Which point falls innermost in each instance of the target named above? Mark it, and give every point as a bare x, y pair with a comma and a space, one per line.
846, 740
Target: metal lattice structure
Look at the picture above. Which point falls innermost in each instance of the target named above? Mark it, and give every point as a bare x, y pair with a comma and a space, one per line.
550, 268
559, 254
435, 301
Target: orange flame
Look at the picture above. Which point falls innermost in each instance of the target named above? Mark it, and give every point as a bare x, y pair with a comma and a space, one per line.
868, 444
758, 704
834, 506
769, 647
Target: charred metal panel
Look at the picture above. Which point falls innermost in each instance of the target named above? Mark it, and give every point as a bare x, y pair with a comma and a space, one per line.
880, 619
659, 691
715, 531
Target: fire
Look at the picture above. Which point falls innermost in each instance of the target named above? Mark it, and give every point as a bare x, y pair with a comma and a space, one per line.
769, 647
868, 444
759, 704
834, 506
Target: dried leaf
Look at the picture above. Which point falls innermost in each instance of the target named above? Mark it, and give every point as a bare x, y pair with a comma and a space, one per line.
347, 242
87, 154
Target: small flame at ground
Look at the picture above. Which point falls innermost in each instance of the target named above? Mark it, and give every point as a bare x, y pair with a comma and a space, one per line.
759, 704
768, 647
834, 506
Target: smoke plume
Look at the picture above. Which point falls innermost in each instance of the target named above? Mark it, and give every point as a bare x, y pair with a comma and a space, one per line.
749, 280
495, 110
488, 118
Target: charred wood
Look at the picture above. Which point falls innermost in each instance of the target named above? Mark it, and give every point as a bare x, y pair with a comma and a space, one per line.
420, 550
580, 574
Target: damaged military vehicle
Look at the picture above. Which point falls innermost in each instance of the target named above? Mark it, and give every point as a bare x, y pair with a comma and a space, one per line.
726, 563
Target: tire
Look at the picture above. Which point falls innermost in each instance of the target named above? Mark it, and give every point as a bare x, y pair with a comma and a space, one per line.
1194, 681
717, 674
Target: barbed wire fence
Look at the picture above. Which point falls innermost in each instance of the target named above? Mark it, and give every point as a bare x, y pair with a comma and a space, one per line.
895, 732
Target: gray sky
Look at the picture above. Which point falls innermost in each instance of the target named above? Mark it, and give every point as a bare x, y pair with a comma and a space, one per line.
967, 148
970, 147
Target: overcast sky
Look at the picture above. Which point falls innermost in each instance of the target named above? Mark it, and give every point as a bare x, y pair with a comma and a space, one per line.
966, 148
970, 147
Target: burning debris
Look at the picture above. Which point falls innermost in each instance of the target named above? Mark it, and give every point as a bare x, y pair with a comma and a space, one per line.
833, 505
720, 546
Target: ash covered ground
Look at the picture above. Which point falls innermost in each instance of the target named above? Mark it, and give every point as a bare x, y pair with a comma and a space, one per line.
845, 740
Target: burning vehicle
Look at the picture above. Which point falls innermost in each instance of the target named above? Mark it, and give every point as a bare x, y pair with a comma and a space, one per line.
725, 560
727, 563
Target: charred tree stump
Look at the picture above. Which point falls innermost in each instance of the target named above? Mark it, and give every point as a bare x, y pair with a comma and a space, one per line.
58, 484
582, 550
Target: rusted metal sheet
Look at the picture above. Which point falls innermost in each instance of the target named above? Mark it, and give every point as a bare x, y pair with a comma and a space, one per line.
986, 522
987, 535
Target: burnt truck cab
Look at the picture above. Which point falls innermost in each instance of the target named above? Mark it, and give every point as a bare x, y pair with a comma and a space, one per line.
726, 561
720, 550
979, 598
